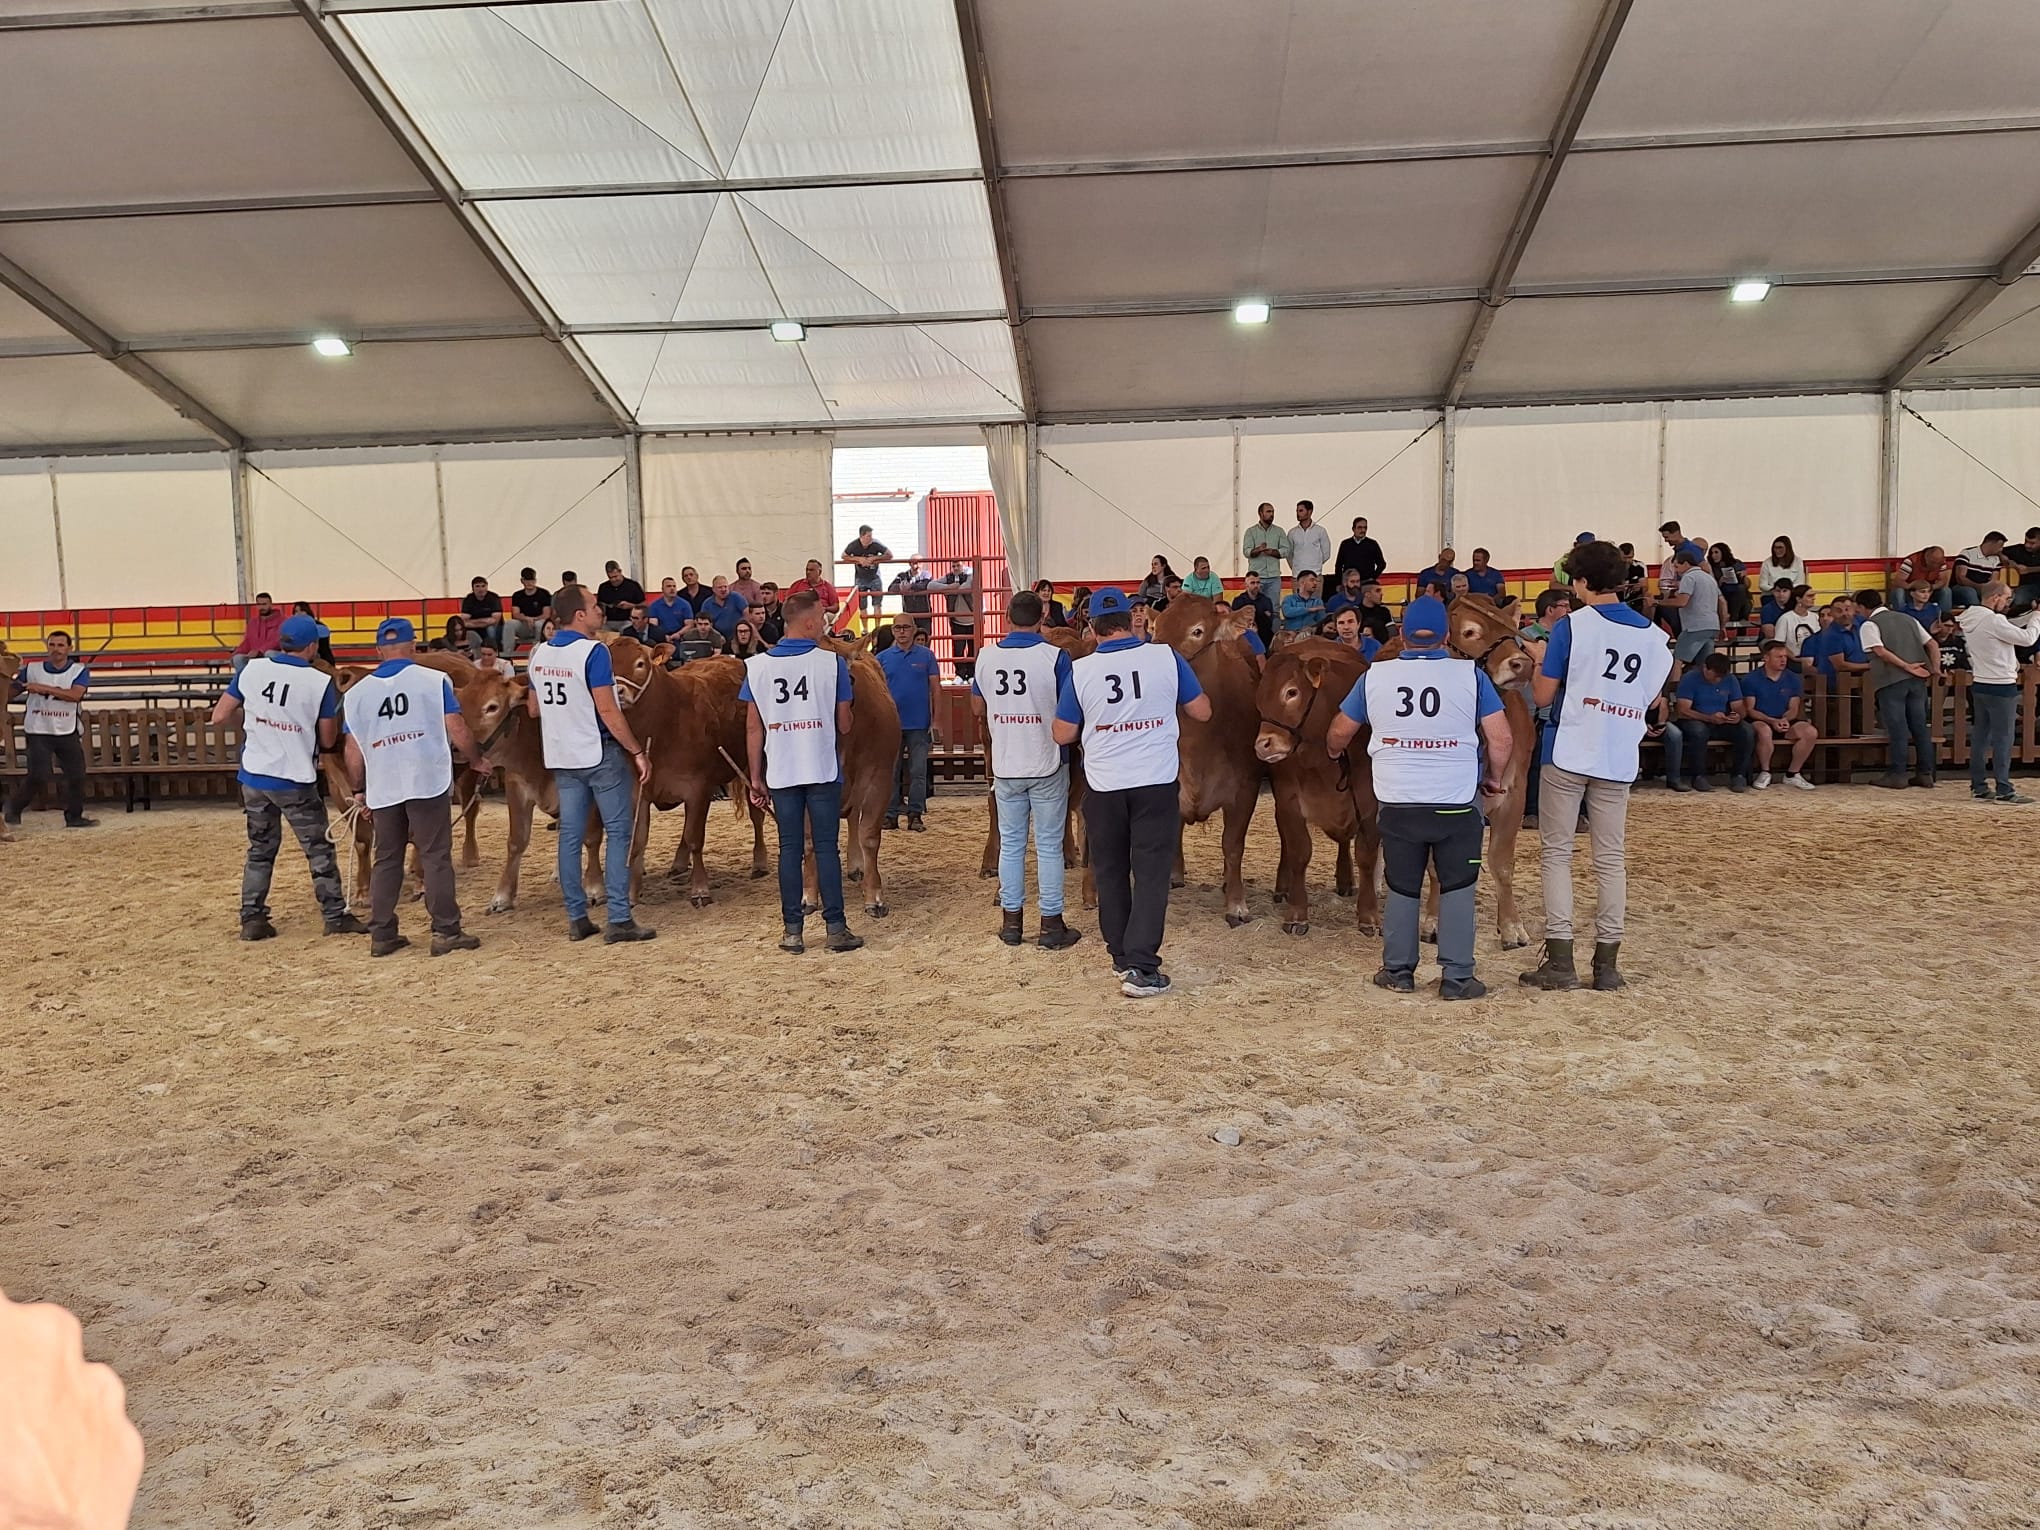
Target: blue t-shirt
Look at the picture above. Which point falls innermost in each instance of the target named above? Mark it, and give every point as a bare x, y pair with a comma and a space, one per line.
329, 706
1771, 611
1558, 655
724, 614
1253, 638
1300, 615
1066, 707
907, 672
669, 616
1031, 640
1925, 615
1490, 702
1773, 697
1482, 581
1723, 695
787, 648
452, 702
1832, 642
1339, 601
1432, 578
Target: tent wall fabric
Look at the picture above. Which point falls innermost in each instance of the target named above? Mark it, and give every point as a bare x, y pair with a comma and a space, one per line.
1528, 481
344, 525
712, 500
1387, 467
1745, 472
555, 505
1968, 464
1112, 496
146, 530
1007, 449
29, 575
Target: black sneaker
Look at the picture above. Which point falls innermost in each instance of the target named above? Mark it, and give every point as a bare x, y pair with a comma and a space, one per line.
582, 928
1395, 982
389, 947
346, 924
1144, 985
81, 823
1465, 988
257, 928
627, 930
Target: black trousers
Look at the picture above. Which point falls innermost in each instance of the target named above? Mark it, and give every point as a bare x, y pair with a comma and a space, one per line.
47, 753
1132, 837
1414, 835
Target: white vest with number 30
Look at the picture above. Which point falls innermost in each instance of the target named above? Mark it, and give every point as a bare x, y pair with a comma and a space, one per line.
567, 720
280, 736
796, 700
400, 723
1425, 714
1128, 697
1018, 688
1615, 672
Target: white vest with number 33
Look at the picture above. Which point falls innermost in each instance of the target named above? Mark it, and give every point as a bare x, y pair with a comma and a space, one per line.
400, 723
796, 699
1614, 674
1425, 714
1017, 686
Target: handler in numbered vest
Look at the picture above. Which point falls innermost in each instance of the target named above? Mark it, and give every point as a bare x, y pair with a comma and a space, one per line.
399, 722
799, 709
1430, 713
1122, 702
1604, 667
594, 757
1014, 695
293, 712
52, 690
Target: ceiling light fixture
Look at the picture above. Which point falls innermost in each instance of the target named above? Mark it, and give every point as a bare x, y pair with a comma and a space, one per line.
1252, 311
1750, 290
788, 329
332, 345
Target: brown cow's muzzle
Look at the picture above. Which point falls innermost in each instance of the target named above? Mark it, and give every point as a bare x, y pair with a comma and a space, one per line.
1273, 744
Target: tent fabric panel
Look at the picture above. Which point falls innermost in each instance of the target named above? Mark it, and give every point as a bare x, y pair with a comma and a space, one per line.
354, 527
163, 112
708, 378
309, 268
1113, 497
391, 387
1528, 481
606, 260
1080, 81
1968, 464
139, 529
1744, 471
552, 505
1188, 361
21, 321
81, 400
2002, 341
1757, 63
1273, 232
924, 371
1389, 468
1798, 335
711, 502
1778, 209
28, 530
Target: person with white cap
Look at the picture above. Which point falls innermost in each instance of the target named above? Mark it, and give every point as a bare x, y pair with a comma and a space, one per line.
1122, 701
293, 712
1430, 712
399, 721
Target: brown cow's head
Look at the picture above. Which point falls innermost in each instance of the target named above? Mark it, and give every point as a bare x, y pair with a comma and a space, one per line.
1299, 685
1072, 642
1483, 630
1194, 622
635, 664
489, 701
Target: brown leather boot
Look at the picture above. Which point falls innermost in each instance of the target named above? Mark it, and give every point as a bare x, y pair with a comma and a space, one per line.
1055, 935
1009, 926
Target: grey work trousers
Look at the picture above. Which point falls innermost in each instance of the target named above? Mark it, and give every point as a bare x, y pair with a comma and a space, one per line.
1560, 794
426, 822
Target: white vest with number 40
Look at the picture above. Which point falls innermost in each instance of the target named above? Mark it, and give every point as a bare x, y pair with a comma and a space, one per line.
796, 699
400, 723
1616, 671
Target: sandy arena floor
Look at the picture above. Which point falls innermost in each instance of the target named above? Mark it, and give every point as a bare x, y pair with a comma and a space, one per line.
695, 1234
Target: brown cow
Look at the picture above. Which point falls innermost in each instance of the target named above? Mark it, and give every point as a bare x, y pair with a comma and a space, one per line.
1218, 771
1302, 684
1076, 645
869, 753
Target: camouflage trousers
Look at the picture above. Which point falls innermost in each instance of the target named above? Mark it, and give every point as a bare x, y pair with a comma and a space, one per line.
305, 812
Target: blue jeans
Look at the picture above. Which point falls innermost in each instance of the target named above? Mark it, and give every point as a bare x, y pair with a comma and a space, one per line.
1045, 800
1675, 755
1902, 709
1997, 711
610, 788
910, 776
1741, 739
1967, 594
797, 810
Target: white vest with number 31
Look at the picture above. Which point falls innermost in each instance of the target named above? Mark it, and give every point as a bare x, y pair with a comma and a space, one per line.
1616, 671
1128, 698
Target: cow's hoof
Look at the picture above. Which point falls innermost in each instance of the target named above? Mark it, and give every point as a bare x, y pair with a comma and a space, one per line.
1515, 940
758, 873
499, 906
877, 910
701, 900
1177, 884
856, 874
1236, 920
1296, 926
809, 906
986, 873
1369, 929
1342, 892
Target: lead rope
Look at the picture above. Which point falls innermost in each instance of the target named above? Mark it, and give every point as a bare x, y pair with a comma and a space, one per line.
341, 836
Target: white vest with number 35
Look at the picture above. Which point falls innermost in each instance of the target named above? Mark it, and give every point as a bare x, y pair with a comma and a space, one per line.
400, 723
1018, 688
567, 720
1425, 714
796, 699
1616, 671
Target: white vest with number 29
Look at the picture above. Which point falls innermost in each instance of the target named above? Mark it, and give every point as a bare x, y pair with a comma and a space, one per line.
796, 698
1425, 714
1614, 674
400, 723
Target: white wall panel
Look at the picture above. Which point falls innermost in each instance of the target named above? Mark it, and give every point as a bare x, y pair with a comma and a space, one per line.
147, 530
1527, 482
554, 505
28, 532
343, 525
1113, 496
1973, 468
1387, 467
1746, 470
711, 501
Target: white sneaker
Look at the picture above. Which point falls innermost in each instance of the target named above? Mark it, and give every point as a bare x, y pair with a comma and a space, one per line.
1799, 781
1762, 783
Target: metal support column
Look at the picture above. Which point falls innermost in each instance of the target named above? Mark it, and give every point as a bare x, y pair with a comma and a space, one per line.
1664, 421
1448, 509
1887, 476
237, 476
634, 506
1239, 530
57, 530
439, 507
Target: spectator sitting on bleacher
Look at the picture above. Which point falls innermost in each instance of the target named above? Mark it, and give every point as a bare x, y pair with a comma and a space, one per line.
1709, 708
769, 618
671, 611
1055, 614
746, 641
2023, 558
1438, 577
530, 605
1552, 607
1659, 728
1561, 576
642, 627
1798, 623
1837, 649
1954, 646
482, 608
1202, 581
1920, 605
264, 623
692, 590
1347, 594
1635, 584
618, 593
1929, 564
1348, 633
304, 608
1457, 587
1251, 596
1776, 699
455, 638
1302, 611
744, 584
1976, 567
1733, 579
724, 606
1483, 579
1783, 564
1777, 603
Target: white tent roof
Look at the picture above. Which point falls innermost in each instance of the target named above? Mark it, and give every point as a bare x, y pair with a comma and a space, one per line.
578, 217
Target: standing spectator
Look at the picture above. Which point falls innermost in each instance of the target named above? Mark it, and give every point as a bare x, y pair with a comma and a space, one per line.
911, 585
1777, 602
960, 594
1202, 580
864, 553
1560, 578
744, 584
799, 705
1708, 708
1122, 701
1837, 648
1954, 646
52, 690
1734, 580
770, 615
1612, 656
1976, 567
1796, 624
1310, 545
1774, 698
1930, 565
618, 593
812, 583
692, 590
672, 610
1438, 577
1696, 597
482, 609
264, 622
1266, 545
1903, 659
1013, 698
1993, 640
531, 607
1153, 588
400, 718
1303, 611
1253, 597
1483, 579
1362, 552
1783, 564
724, 608
1053, 613
915, 680
293, 713
1348, 594
2023, 558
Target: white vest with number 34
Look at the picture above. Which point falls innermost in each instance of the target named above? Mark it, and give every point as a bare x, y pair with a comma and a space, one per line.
1425, 714
796, 699
1616, 671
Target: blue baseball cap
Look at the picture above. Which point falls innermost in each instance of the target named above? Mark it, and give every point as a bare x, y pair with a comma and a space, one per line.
1423, 620
395, 630
298, 632
1110, 602
1585, 536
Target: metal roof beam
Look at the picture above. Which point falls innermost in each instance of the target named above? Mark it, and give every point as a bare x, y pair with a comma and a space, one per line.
1935, 342
978, 77
302, 203
61, 21
731, 183
1580, 96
